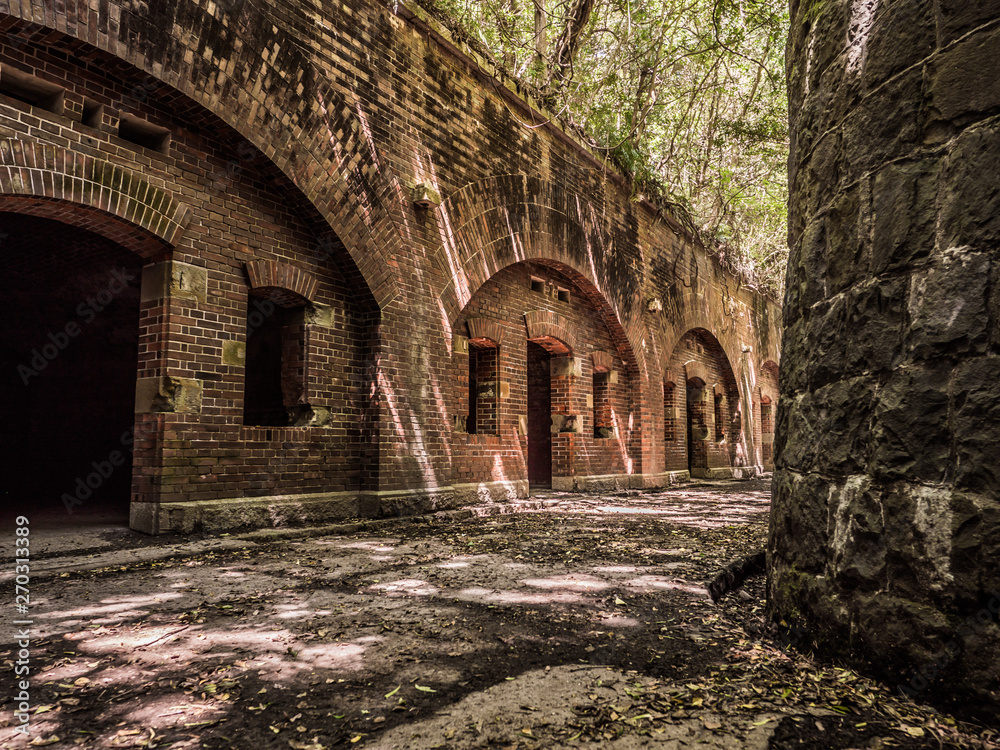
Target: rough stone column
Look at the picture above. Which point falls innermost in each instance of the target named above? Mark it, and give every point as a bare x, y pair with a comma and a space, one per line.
885, 527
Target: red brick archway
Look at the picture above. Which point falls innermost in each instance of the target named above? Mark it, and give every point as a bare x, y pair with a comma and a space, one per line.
305, 138
72, 334
90, 193
88, 201
557, 370
709, 410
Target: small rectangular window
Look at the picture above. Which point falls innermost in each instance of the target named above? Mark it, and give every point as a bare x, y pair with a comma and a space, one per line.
669, 434
603, 423
274, 369
31, 90
720, 427
537, 285
93, 113
563, 295
143, 133
484, 390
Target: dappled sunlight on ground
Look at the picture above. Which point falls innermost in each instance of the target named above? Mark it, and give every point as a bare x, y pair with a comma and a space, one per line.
708, 505
653, 583
409, 586
572, 582
475, 629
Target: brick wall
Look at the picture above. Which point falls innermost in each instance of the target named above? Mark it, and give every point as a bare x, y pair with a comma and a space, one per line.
300, 151
498, 454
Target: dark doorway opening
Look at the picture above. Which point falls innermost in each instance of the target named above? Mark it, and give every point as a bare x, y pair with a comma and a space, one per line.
69, 353
539, 418
697, 425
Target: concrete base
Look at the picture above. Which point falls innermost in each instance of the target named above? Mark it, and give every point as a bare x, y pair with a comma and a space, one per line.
602, 483
245, 512
479, 493
617, 482
654, 481
277, 511
727, 472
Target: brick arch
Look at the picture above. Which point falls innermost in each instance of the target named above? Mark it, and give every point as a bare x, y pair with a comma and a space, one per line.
545, 325
695, 319
769, 390
485, 331
265, 274
696, 370
272, 97
503, 220
771, 368
603, 361
90, 193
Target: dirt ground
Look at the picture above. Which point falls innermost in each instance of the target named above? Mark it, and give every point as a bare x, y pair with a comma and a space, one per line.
586, 623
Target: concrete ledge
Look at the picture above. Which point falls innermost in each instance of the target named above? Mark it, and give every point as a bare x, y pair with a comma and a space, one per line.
407, 502
723, 473
616, 482
242, 512
727, 472
280, 511
595, 483
653, 481
477, 493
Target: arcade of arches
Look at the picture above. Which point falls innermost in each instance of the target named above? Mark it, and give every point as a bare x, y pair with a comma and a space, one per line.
254, 302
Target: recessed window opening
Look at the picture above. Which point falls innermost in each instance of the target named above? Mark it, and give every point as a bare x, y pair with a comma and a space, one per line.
93, 113
603, 427
563, 294
537, 285
31, 90
484, 389
143, 133
274, 363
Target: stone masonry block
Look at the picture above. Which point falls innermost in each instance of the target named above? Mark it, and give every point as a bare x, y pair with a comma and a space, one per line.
168, 394
563, 367
234, 353
175, 280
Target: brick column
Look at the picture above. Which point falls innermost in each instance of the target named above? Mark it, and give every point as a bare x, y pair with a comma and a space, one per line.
166, 393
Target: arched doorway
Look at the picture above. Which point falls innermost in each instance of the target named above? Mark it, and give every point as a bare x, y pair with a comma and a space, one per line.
560, 416
70, 337
711, 404
549, 380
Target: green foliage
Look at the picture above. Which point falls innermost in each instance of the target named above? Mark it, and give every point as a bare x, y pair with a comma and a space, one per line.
685, 96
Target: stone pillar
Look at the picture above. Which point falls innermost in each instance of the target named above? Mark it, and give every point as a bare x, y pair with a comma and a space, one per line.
885, 526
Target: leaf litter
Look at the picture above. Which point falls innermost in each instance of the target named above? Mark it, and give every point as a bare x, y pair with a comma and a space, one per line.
582, 623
